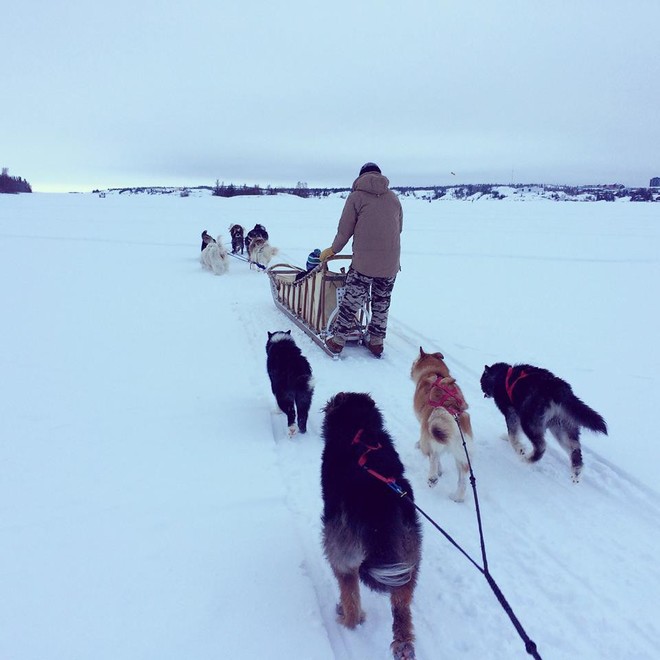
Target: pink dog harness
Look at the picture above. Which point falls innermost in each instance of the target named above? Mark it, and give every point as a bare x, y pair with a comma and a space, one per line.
451, 398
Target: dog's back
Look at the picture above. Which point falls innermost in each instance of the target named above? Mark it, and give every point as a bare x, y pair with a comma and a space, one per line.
290, 378
357, 504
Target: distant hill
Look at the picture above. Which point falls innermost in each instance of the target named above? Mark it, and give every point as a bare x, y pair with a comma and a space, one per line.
465, 192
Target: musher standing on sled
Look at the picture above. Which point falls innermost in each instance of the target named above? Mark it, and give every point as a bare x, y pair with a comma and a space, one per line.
373, 216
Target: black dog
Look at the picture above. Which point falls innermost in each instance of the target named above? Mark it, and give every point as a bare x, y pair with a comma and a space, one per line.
258, 231
290, 378
534, 399
370, 533
237, 240
207, 239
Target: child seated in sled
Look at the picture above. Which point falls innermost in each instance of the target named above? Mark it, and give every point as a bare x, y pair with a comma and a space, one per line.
313, 260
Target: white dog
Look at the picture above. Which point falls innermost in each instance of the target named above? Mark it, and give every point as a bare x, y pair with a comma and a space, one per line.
214, 257
261, 252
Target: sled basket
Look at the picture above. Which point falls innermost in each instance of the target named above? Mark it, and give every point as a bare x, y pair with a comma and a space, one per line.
311, 298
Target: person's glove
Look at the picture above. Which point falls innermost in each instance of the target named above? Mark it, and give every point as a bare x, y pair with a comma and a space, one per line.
326, 254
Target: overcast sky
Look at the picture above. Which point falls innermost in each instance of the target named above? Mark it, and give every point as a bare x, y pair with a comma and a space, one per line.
145, 92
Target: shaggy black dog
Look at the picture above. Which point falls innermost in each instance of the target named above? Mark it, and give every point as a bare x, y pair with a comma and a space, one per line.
258, 231
534, 399
290, 378
237, 239
370, 533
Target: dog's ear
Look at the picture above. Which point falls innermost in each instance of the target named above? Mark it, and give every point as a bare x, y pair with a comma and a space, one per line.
288, 332
421, 352
439, 354
270, 334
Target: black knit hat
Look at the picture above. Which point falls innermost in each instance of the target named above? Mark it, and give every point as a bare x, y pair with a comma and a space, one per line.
370, 167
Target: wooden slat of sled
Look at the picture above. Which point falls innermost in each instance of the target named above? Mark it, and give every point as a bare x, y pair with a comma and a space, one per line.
312, 298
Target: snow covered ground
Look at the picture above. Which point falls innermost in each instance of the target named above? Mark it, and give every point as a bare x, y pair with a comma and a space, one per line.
152, 507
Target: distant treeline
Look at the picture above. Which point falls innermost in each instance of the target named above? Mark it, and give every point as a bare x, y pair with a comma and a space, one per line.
470, 192
13, 184
301, 190
596, 193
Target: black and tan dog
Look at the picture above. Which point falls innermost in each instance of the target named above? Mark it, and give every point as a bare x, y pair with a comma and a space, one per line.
534, 399
237, 239
370, 533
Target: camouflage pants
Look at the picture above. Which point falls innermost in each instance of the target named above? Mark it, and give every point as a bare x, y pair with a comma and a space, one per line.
356, 294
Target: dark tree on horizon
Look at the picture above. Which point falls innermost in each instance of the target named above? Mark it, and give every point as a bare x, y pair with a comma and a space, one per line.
13, 184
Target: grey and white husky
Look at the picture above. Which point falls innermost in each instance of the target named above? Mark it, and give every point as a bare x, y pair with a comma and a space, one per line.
534, 399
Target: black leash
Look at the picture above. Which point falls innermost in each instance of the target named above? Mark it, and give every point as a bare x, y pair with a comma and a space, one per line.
240, 257
530, 646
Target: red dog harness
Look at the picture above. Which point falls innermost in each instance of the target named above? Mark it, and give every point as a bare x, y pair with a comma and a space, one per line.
389, 481
510, 385
450, 399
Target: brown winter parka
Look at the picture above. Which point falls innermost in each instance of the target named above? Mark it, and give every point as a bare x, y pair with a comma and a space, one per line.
373, 216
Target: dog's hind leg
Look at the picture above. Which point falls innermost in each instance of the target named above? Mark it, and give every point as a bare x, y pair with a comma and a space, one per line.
462, 470
568, 436
402, 627
435, 469
285, 401
349, 608
433, 443
303, 402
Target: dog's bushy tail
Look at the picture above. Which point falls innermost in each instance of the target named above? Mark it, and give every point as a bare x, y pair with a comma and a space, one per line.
440, 425
392, 575
584, 415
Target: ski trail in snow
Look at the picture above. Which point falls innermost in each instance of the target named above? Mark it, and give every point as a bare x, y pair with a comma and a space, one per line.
299, 459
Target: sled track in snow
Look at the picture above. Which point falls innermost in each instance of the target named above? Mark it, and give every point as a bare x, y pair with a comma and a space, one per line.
449, 588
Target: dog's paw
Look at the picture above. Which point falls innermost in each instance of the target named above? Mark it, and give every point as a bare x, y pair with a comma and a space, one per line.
457, 497
403, 650
293, 429
432, 481
349, 622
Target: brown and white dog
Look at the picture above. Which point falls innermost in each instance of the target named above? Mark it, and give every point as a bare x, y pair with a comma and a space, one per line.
237, 239
261, 252
441, 409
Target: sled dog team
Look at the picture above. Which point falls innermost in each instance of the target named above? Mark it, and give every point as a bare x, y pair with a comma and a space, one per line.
214, 256
372, 534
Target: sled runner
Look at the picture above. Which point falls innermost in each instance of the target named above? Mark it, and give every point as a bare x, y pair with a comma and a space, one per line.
311, 299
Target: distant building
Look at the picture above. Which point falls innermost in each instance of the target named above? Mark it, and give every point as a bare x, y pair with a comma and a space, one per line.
655, 182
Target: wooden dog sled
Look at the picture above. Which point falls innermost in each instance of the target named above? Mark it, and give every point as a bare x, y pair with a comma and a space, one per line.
311, 299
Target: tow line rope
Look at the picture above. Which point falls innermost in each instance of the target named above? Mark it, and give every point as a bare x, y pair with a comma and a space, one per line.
240, 257
530, 646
